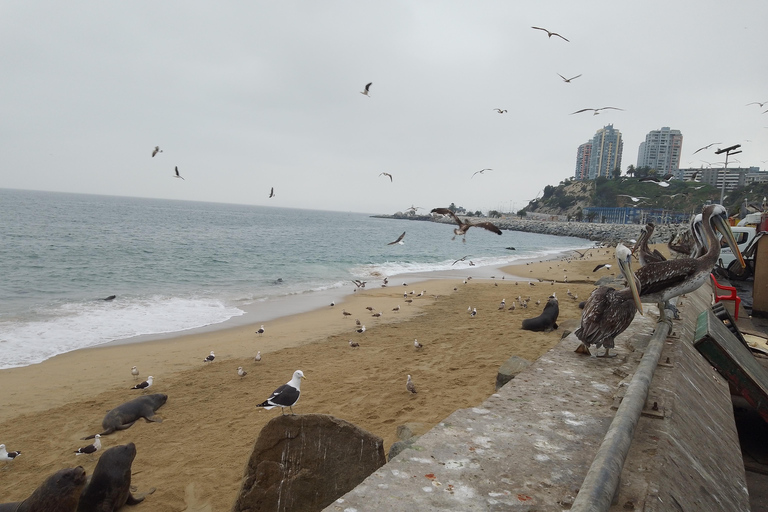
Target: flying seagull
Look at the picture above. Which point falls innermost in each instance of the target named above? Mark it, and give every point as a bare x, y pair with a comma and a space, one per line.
500, 110
461, 259
399, 240
272, 192
653, 179
633, 198
144, 385
755, 103
464, 226
177, 173
596, 110
158, 150
706, 147
91, 448
387, 174
286, 395
367, 89
550, 34
481, 171
568, 80
602, 265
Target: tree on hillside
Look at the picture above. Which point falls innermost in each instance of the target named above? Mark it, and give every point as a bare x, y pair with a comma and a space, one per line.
631, 170
616, 173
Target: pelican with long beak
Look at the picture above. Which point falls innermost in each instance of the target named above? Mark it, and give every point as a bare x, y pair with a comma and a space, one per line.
662, 281
608, 312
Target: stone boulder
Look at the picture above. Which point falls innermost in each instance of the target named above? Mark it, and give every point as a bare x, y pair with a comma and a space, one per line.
305, 462
509, 369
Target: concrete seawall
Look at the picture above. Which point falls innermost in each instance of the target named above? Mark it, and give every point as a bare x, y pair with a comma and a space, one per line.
529, 446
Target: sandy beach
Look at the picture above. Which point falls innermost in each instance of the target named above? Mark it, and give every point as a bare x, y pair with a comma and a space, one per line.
196, 456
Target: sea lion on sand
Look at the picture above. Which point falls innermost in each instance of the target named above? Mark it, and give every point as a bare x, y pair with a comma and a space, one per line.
58, 493
109, 487
125, 415
547, 320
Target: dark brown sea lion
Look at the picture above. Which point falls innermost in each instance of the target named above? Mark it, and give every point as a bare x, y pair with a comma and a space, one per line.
125, 415
110, 485
547, 320
58, 493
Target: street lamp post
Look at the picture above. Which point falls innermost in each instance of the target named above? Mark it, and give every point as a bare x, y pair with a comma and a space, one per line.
728, 152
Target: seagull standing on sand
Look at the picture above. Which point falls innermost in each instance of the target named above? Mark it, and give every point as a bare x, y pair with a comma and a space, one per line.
156, 151
177, 173
259, 332
242, 373
7, 456
91, 448
417, 345
473, 314
367, 89
399, 240
353, 344
410, 386
144, 385
550, 34
360, 330
135, 372
286, 395
210, 358
258, 356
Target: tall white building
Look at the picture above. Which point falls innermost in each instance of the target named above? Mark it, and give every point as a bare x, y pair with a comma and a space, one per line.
605, 157
661, 150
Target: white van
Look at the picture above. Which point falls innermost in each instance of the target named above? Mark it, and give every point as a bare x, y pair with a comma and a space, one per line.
744, 236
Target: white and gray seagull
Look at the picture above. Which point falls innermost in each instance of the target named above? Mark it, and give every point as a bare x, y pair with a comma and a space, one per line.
286, 395
367, 89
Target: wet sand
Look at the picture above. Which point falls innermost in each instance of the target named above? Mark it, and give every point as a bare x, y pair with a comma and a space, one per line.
196, 456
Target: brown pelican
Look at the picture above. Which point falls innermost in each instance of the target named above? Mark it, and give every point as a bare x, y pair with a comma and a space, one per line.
644, 253
660, 282
367, 89
464, 226
550, 34
608, 312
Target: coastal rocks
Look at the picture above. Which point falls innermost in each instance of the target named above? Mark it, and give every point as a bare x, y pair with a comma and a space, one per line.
305, 462
405, 434
510, 369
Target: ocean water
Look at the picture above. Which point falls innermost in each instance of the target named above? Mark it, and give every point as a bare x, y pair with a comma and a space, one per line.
176, 266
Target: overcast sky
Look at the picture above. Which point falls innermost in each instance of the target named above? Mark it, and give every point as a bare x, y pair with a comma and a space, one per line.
245, 96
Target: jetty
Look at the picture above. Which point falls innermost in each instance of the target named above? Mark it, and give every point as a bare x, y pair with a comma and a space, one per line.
652, 429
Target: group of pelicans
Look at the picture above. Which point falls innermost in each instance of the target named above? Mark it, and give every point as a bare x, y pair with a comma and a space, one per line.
608, 312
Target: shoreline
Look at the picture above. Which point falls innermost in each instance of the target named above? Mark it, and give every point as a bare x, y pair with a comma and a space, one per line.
48, 407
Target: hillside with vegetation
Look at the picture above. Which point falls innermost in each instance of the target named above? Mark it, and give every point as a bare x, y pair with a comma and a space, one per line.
570, 197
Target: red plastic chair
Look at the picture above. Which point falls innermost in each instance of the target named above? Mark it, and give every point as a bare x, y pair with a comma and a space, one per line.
732, 296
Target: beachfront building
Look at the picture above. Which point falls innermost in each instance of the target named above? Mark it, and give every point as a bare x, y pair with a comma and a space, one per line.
605, 157
661, 150
735, 177
582, 161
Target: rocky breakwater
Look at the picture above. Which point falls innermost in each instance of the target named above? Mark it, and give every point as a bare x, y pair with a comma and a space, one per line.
608, 233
